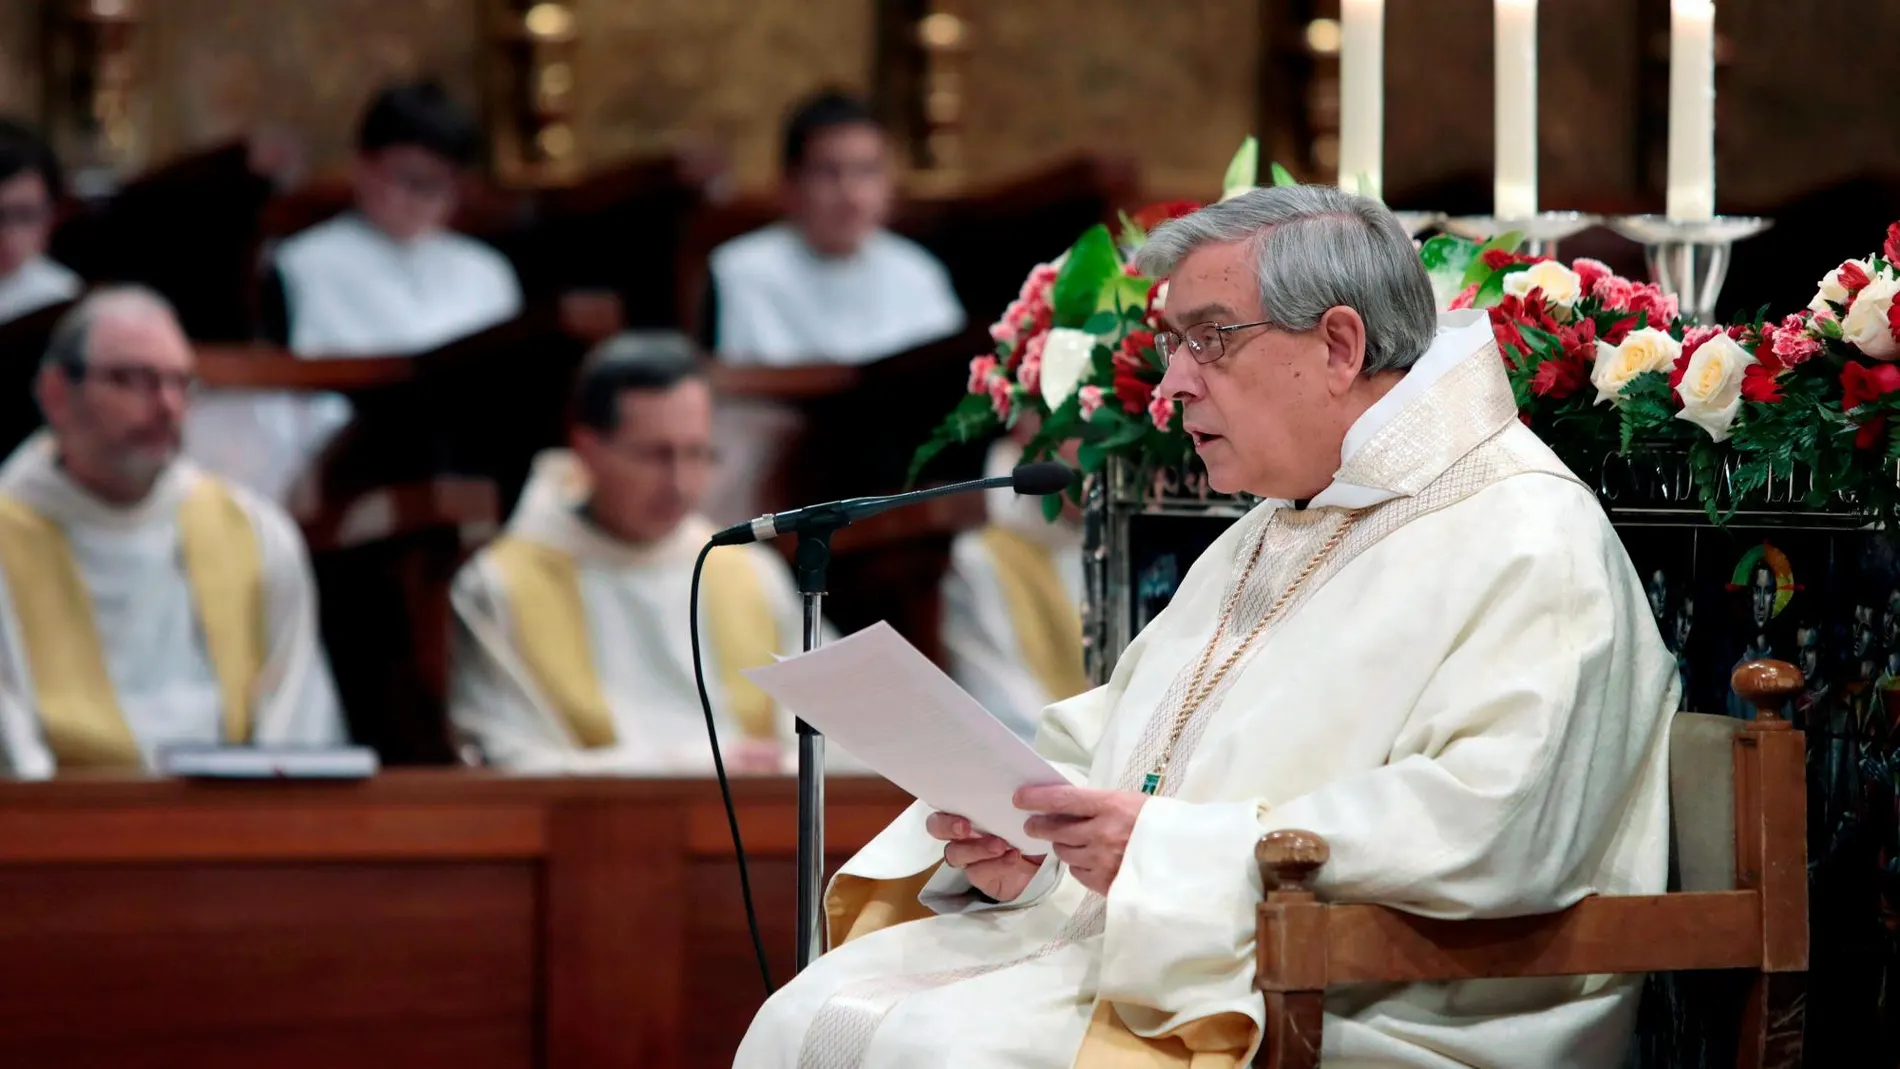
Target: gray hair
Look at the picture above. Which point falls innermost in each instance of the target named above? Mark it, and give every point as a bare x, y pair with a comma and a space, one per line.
1316, 248
67, 347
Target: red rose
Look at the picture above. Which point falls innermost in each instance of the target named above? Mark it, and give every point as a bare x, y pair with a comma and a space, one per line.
1861, 384
1891, 250
1133, 352
1155, 214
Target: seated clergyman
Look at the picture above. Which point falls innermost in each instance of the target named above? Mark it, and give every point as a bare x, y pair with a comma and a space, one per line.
144, 602
1427, 646
29, 194
572, 648
1012, 601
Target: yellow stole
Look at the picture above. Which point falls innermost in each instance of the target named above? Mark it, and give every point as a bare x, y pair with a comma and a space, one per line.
856, 907
542, 586
1048, 627
72, 691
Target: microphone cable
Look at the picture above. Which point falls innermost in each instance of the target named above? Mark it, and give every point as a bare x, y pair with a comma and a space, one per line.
725, 785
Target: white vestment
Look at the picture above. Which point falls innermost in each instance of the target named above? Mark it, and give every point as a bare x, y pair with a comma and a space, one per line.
1468, 700
635, 599
349, 290
979, 634
142, 606
780, 303
39, 282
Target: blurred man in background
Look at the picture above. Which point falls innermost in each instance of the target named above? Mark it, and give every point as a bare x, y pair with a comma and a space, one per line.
829, 284
388, 278
145, 602
29, 194
571, 647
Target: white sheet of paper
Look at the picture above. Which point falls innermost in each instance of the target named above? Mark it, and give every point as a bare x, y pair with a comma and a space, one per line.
879, 698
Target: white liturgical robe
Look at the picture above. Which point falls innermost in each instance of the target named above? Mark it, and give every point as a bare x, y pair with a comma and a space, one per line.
572, 652
1466, 697
164, 641
1005, 585
780, 303
349, 291
38, 283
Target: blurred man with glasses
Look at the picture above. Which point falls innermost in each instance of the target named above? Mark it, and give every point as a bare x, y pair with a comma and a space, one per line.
29, 194
572, 652
143, 602
385, 279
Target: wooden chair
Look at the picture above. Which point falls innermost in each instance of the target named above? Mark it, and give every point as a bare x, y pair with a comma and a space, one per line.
1743, 818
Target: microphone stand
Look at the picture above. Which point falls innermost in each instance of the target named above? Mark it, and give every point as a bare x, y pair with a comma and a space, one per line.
809, 564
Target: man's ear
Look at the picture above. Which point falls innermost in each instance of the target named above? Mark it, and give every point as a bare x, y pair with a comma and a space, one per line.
1345, 336
53, 390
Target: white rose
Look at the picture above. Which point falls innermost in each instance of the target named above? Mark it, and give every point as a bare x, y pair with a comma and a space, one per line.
1644, 350
1866, 324
1831, 289
1711, 387
1065, 359
1562, 286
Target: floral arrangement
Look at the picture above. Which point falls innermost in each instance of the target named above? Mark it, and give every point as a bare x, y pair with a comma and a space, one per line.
1600, 364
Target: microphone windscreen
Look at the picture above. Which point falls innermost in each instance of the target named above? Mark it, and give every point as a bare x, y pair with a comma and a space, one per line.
1042, 477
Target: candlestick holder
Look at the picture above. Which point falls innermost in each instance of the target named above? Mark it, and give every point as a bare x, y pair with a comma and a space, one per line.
1416, 223
1688, 258
1541, 232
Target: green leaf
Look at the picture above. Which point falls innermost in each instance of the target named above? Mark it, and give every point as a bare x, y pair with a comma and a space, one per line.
1091, 456
1051, 507
1091, 264
1446, 259
1507, 241
1282, 176
972, 418
1132, 236
1491, 292
1101, 323
1243, 173
1124, 292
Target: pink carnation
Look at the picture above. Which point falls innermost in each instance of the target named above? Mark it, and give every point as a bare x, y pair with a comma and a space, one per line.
1589, 272
1161, 410
1029, 372
1794, 343
1089, 398
1648, 297
1467, 298
1000, 398
1614, 291
981, 370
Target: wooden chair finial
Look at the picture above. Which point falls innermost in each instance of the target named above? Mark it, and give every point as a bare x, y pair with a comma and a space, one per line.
1767, 685
1289, 859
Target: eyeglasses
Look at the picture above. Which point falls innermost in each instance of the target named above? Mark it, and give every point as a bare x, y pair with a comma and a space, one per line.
666, 456
1205, 342
138, 378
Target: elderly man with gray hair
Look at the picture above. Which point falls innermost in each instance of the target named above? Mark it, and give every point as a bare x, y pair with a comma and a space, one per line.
143, 602
1425, 644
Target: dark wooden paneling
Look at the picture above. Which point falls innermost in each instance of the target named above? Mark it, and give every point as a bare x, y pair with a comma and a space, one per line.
275, 965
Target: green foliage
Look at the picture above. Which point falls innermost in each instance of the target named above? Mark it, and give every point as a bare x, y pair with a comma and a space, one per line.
1648, 409
1283, 177
1092, 264
1243, 172
973, 418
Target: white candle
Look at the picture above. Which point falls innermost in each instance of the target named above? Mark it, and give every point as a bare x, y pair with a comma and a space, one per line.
1692, 109
1514, 183
1362, 96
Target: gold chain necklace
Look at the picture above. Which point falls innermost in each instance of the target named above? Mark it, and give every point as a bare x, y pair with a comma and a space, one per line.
1201, 688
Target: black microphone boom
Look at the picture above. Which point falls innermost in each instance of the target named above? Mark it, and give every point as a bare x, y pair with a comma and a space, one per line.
1038, 479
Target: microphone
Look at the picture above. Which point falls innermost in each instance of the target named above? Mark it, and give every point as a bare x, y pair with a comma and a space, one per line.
1039, 479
